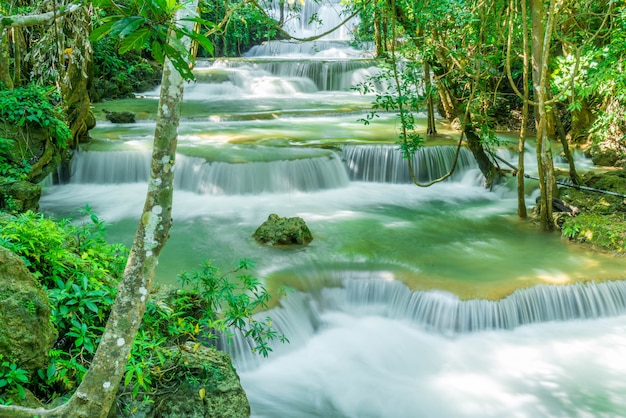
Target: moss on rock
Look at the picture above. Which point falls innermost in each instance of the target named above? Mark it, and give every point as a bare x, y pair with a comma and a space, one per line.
27, 333
602, 219
279, 231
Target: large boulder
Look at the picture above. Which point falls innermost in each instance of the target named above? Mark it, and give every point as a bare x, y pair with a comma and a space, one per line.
27, 334
211, 389
223, 395
19, 196
279, 231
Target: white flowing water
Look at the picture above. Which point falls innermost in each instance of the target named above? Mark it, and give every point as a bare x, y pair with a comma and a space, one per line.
409, 302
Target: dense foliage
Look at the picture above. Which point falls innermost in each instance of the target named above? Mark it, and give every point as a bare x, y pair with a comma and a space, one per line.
80, 271
246, 26
35, 106
119, 75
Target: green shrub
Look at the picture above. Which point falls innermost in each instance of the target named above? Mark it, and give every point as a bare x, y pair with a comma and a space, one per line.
209, 304
80, 271
35, 106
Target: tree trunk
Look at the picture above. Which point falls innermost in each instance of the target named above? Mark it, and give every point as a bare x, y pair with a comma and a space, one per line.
96, 393
573, 174
5, 59
541, 36
484, 163
521, 145
378, 37
431, 129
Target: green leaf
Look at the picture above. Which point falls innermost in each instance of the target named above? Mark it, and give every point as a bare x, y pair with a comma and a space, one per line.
101, 31
91, 306
157, 52
127, 25
51, 371
128, 377
135, 41
205, 43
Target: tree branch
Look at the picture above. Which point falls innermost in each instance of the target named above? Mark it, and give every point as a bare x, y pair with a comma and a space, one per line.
38, 19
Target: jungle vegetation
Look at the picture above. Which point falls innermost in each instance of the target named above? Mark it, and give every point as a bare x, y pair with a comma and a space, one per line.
554, 67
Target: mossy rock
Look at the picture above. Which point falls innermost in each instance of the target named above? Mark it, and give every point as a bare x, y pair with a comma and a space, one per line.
601, 223
206, 386
597, 202
120, 117
19, 196
27, 333
604, 232
279, 231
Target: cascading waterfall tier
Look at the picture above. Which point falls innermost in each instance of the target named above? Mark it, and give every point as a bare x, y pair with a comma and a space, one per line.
218, 178
314, 18
386, 164
301, 314
326, 74
361, 163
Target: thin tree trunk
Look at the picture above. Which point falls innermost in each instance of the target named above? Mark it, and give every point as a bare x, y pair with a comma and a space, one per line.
431, 129
521, 146
18, 41
378, 38
5, 59
541, 35
96, 393
573, 174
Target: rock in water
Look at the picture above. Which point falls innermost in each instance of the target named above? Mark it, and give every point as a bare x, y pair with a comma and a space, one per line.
119, 117
279, 231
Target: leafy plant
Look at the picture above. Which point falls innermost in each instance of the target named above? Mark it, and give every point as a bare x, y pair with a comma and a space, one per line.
247, 26
210, 304
35, 106
80, 271
12, 381
137, 26
9, 169
403, 95
571, 230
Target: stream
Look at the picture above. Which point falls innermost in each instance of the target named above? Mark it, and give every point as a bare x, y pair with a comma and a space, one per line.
409, 302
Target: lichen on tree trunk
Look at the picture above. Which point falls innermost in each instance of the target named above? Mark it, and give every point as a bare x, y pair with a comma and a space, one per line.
96, 393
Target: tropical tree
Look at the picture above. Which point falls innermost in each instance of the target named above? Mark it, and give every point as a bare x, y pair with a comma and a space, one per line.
473, 47
96, 393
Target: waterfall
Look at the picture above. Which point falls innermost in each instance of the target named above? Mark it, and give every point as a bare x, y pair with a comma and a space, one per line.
325, 74
385, 163
216, 178
304, 175
314, 18
111, 167
300, 315
362, 163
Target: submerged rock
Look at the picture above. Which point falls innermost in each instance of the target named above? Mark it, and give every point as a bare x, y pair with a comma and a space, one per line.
27, 334
119, 117
279, 231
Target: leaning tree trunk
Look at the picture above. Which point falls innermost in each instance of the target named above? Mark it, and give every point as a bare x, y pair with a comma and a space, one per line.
96, 393
567, 153
474, 144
